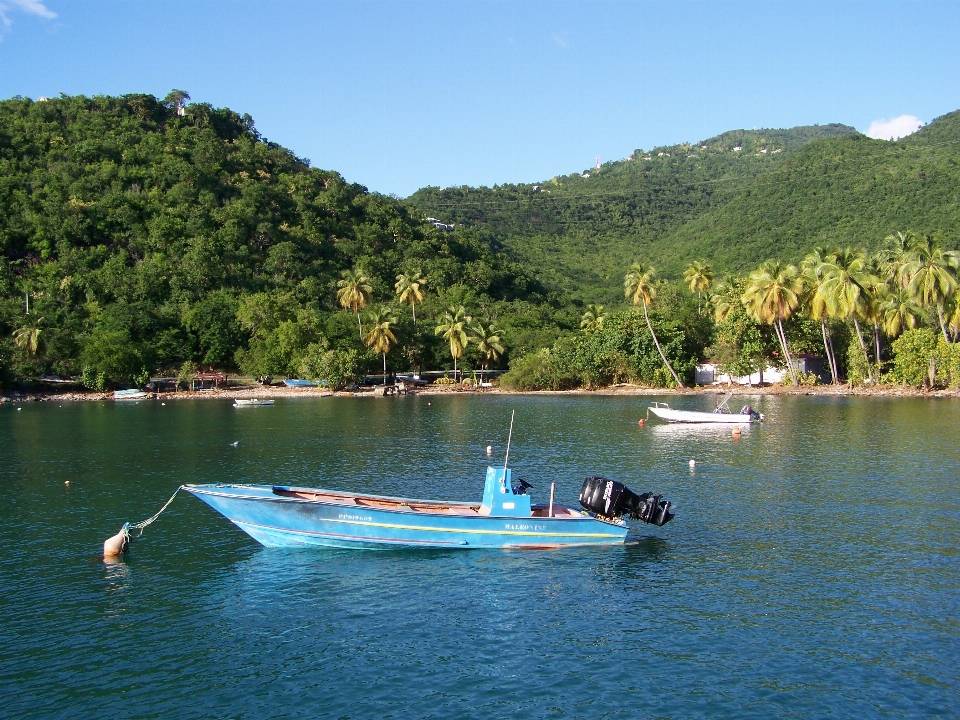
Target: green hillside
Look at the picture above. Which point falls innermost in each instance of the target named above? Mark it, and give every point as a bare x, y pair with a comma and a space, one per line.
142, 236
139, 234
845, 191
779, 194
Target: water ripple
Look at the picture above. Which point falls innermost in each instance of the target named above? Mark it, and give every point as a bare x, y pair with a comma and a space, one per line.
812, 570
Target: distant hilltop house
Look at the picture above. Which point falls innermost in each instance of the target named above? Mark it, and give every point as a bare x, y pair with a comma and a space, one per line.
440, 225
738, 148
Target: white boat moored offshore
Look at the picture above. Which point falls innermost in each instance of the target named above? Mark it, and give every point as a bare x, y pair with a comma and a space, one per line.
746, 416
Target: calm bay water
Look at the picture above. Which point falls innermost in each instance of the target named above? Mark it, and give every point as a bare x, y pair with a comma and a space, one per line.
812, 569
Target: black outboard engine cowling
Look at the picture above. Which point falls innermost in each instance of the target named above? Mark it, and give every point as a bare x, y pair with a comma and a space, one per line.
612, 500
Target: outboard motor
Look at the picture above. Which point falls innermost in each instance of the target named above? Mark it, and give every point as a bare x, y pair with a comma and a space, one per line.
612, 500
754, 415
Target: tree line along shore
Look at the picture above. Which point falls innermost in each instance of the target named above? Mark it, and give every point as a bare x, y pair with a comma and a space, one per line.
144, 237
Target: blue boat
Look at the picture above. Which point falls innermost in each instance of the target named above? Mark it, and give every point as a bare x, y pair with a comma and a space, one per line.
283, 516
292, 382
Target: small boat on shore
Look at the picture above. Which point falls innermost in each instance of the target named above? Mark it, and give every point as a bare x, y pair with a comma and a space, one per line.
295, 383
251, 402
284, 516
746, 416
132, 394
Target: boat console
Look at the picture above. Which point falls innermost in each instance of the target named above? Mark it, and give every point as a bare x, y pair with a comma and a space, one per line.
612, 500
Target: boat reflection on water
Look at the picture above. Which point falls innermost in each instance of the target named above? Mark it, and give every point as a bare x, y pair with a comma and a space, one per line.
699, 430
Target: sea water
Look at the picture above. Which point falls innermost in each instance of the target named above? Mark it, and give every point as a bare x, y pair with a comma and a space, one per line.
811, 570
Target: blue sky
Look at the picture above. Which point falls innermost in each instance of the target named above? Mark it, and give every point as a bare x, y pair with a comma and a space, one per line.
400, 95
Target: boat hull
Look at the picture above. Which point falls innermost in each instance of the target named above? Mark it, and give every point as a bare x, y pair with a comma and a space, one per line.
276, 520
130, 395
692, 416
299, 383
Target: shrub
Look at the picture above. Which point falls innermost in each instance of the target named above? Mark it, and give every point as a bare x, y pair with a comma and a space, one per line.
912, 353
947, 358
858, 365
543, 370
334, 368
92, 380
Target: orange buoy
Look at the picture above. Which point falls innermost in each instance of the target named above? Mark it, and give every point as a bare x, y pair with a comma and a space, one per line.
735, 432
640, 422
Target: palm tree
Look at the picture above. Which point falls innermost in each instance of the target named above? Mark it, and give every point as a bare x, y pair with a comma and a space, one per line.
812, 269
724, 298
893, 257
409, 291
932, 275
453, 330
29, 338
380, 337
953, 316
638, 285
845, 286
593, 318
354, 293
900, 312
487, 341
876, 296
772, 294
699, 276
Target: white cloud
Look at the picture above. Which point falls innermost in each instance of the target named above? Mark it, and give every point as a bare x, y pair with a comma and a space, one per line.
894, 129
560, 41
31, 7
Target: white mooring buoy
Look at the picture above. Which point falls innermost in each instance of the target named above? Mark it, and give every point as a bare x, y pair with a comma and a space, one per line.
693, 464
117, 544
489, 449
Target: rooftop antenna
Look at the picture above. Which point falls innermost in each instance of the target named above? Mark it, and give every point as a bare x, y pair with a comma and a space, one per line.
598, 163
509, 438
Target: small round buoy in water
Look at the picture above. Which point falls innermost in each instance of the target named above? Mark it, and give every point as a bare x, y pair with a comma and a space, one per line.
693, 464
735, 432
640, 422
116, 545
489, 449
66, 482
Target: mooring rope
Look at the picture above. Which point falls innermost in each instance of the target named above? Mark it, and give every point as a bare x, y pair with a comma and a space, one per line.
130, 528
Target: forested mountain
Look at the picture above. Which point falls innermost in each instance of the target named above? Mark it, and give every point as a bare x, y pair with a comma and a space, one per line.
138, 234
733, 200
142, 236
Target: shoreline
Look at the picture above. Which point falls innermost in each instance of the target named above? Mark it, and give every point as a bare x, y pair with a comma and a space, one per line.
277, 392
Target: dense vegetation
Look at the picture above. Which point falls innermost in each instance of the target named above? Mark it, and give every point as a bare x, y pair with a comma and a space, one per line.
141, 236
137, 235
737, 199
